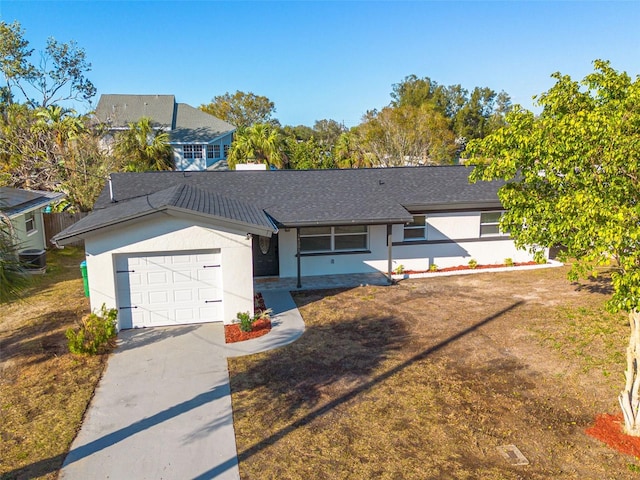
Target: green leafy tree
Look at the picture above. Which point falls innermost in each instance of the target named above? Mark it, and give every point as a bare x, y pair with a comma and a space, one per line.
260, 143
572, 180
59, 75
307, 155
349, 152
242, 109
142, 148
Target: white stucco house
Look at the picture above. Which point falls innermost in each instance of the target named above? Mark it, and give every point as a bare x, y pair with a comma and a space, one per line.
24, 209
167, 248
199, 140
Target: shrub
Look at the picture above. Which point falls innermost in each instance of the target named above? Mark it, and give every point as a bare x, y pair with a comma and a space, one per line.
95, 332
399, 269
433, 267
508, 262
473, 263
263, 314
245, 321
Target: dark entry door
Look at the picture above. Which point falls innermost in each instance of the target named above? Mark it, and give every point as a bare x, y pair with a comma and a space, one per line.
265, 256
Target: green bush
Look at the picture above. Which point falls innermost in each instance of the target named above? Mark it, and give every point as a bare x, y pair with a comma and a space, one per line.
508, 262
245, 320
433, 267
473, 263
95, 332
399, 269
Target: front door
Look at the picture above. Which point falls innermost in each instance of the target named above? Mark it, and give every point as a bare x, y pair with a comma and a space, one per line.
265, 256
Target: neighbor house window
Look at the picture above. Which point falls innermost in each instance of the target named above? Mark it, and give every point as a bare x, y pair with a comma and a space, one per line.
490, 224
225, 150
30, 222
192, 151
417, 229
346, 238
213, 151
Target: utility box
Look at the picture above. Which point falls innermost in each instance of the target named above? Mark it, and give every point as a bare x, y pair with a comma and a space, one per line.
33, 259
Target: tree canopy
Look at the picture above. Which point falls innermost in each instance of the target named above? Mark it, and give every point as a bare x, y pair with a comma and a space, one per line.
58, 76
241, 109
573, 181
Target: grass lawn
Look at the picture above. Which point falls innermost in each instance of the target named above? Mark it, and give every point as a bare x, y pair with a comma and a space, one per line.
44, 390
427, 378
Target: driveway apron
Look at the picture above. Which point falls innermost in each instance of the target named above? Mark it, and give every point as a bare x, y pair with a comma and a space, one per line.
162, 409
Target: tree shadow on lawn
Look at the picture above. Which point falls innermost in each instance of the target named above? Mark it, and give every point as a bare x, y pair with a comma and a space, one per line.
337, 355
41, 339
345, 353
601, 285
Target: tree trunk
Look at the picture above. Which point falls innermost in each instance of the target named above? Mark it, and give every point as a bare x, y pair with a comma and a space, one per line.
629, 399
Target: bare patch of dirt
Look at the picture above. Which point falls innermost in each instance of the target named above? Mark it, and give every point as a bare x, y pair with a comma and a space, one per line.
425, 379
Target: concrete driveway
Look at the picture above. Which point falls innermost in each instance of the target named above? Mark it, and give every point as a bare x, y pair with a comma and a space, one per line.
163, 410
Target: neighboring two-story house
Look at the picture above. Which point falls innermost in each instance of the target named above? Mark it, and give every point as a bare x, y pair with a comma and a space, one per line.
199, 140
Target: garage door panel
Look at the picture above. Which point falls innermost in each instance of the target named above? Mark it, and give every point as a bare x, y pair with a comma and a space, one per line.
169, 289
183, 276
158, 297
183, 296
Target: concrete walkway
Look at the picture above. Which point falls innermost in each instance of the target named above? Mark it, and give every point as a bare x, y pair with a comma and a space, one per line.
163, 410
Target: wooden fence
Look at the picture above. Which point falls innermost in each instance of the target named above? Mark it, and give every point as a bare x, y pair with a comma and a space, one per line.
54, 223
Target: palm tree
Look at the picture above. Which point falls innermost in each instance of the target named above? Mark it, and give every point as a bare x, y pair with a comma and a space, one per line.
142, 148
260, 142
13, 279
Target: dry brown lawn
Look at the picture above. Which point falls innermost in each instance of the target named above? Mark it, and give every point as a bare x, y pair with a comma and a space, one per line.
44, 390
423, 380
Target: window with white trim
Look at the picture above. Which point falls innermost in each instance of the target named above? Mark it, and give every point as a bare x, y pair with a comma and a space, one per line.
347, 238
192, 151
417, 229
213, 151
29, 222
490, 224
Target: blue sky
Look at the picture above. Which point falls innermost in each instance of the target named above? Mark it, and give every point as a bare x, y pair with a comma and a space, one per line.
333, 59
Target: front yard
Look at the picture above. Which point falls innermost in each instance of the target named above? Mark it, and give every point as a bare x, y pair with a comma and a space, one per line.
44, 390
419, 380
425, 379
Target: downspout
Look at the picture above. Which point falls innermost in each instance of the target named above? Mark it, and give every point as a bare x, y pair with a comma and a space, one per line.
390, 253
298, 256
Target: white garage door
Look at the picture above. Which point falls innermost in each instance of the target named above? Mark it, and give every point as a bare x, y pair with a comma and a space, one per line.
169, 289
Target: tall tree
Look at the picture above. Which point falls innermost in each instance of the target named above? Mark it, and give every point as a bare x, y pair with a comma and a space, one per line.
142, 148
573, 180
261, 143
242, 109
407, 135
59, 76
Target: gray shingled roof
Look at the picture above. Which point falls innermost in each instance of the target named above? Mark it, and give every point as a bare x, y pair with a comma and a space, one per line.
210, 206
294, 198
14, 201
185, 123
119, 110
192, 125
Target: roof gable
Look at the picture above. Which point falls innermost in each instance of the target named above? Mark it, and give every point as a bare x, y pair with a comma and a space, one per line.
180, 199
184, 123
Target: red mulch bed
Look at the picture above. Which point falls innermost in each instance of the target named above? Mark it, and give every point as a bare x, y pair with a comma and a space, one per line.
232, 333
610, 430
467, 267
